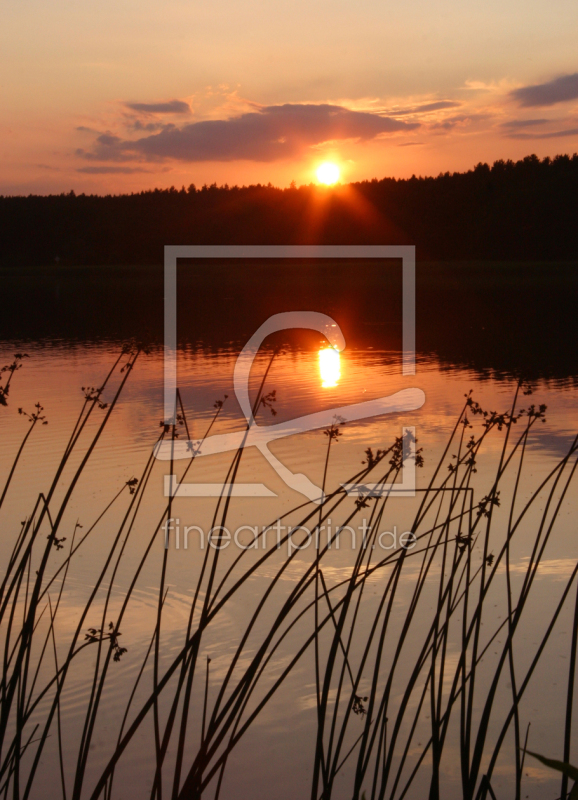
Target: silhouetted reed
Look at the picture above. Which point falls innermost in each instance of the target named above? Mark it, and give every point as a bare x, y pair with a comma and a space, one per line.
394, 680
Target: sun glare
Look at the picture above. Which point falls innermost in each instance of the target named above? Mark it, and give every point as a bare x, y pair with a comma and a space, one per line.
328, 173
329, 367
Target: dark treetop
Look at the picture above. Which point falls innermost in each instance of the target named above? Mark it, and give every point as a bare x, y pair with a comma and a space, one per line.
513, 211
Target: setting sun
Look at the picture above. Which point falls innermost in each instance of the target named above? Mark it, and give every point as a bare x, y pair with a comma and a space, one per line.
328, 173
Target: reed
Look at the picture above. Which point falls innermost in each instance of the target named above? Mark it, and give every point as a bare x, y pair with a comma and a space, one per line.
402, 686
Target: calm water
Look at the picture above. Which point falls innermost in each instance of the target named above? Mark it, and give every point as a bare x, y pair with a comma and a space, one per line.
482, 333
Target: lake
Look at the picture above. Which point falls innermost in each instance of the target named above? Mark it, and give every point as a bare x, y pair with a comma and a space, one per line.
489, 328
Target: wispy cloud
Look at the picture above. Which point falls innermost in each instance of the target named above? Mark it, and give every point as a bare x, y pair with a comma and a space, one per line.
165, 107
524, 123
548, 135
272, 133
559, 90
111, 170
462, 120
427, 107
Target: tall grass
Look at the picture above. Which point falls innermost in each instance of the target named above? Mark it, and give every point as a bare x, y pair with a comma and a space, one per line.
408, 658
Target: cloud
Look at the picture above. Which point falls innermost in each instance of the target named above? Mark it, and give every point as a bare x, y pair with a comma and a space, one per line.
437, 106
523, 123
551, 135
459, 119
558, 90
149, 127
110, 170
167, 107
270, 134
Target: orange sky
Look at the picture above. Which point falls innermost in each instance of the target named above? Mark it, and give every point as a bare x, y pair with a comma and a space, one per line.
121, 96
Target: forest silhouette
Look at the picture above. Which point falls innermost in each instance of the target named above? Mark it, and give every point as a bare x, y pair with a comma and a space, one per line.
524, 210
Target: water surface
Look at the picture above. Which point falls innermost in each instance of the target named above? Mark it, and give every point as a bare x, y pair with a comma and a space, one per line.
479, 327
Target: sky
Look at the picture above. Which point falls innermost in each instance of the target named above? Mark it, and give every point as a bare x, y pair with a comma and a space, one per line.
121, 96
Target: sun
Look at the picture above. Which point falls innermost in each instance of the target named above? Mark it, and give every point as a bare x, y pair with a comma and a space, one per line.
328, 173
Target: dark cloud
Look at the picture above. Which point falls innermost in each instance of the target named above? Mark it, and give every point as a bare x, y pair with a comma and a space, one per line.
270, 134
168, 107
523, 123
551, 135
445, 126
111, 170
438, 106
558, 90
149, 127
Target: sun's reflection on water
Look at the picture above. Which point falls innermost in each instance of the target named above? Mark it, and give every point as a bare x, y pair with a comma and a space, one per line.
329, 367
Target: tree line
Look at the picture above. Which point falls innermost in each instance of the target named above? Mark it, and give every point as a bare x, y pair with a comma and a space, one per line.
524, 210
